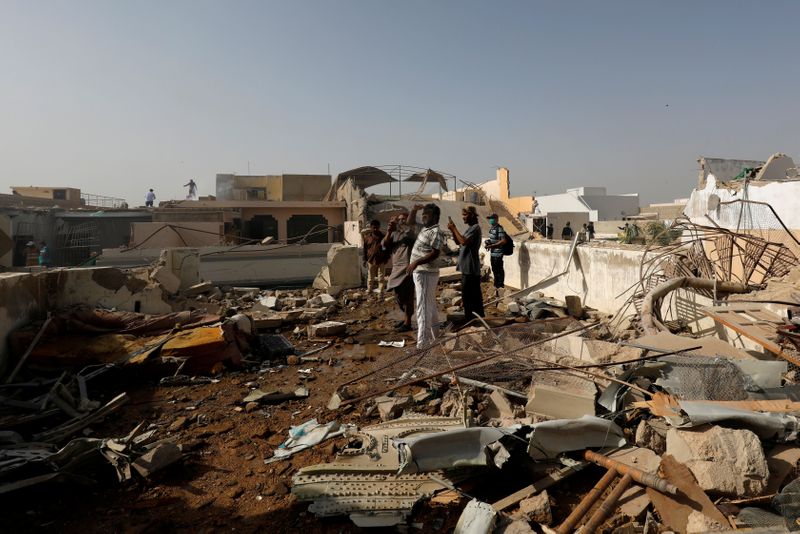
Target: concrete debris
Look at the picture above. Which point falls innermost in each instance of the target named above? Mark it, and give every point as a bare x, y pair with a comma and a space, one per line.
326, 329
724, 461
536, 509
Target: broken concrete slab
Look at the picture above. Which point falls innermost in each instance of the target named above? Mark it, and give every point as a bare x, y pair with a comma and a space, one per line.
323, 300
392, 407
499, 406
198, 289
343, 269
327, 328
560, 396
724, 461
158, 457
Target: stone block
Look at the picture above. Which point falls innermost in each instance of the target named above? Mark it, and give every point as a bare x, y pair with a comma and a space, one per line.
724, 461
313, 313
323, 300
513, 308
271, 302
290, 316
328, 328
449, 293
536, 508
343, 269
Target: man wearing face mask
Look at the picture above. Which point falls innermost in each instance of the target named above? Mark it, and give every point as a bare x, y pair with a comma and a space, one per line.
497, 240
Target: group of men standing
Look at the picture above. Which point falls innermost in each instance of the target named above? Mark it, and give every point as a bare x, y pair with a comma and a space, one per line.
414, 251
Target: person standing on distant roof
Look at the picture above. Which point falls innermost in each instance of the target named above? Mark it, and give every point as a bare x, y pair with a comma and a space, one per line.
375, 257
192, 190
44, 256
566, 232
590, 230
149, 198
495, 244
423, 268
399, 240
550, 231
31, 254
469, 262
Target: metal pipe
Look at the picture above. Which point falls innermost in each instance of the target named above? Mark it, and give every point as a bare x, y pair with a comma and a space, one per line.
586, 503
645, 479
608, 505
651, 325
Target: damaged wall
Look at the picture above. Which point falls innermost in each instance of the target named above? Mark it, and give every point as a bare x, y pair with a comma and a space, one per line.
25, 297
781, 195
600, 276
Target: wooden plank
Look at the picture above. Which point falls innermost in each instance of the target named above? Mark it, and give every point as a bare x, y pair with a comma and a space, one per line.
762, 330
537, 486
674, 510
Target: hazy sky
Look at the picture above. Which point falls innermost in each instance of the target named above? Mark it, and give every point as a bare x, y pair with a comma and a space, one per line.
117, 96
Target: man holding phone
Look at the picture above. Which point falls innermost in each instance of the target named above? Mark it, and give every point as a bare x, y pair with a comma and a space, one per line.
469, 262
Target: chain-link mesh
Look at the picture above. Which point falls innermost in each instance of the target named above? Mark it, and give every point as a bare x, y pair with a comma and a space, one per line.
701, 378
505, 354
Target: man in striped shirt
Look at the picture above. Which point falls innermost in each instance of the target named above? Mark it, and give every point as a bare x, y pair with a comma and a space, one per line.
422, 266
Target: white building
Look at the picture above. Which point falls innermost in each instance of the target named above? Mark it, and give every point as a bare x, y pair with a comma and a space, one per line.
775, 183
595, 201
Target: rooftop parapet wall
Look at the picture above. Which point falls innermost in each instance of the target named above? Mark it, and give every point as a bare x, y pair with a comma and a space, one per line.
602, 276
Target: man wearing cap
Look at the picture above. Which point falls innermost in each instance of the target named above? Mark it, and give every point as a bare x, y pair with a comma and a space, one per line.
497, 240
469, 263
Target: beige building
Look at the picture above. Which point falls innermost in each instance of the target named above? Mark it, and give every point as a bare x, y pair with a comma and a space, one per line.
66, 197
257, 219
278, 187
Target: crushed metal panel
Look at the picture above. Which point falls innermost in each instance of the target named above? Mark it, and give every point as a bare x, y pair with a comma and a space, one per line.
477, 518
765, 425
362, 481
551, 438
442, 450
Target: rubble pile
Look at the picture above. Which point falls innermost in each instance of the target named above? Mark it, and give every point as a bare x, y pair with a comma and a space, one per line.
306, 406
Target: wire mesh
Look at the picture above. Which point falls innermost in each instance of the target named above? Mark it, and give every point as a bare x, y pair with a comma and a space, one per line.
498, 355
693, 378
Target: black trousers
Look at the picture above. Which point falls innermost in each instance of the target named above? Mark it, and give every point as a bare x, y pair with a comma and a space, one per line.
471, 296
498, 271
